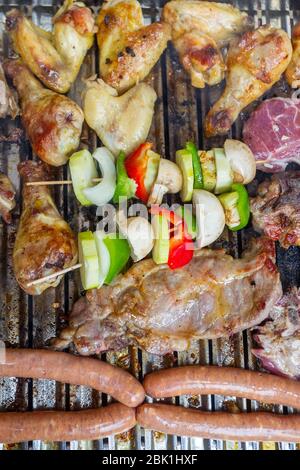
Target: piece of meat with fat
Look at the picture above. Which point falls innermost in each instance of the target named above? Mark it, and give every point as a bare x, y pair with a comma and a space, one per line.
273, 133
279, 337
276, 208
7, 197
161, 310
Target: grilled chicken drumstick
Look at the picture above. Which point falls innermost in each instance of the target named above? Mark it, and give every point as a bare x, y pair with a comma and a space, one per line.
255, 62
44, 242
8, 105
7, 197
55, 58
161, 310
293, 71
128, 49
53, 122
199, 31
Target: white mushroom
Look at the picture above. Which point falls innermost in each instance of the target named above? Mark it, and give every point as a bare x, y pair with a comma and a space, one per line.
139, 234
242, 161
169, 180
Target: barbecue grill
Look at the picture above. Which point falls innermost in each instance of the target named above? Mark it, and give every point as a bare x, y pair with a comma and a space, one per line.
30, 322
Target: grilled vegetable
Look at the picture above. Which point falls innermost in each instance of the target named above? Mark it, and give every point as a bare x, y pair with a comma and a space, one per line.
88, 257
126, 187
169, 180
223, 169
189, 218
83, 171
103, 192
103, 256
160, 252
142, 166
236, 207
139, 234
184, 161
198, 177
209, 215
119, 252
208, 165
242, 161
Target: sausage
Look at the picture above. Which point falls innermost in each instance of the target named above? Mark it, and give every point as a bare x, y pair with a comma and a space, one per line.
67, 368
259, 426
65, 425
200, 380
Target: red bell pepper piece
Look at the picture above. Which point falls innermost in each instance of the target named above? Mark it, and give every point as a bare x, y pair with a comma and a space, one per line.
136, 167
181, 243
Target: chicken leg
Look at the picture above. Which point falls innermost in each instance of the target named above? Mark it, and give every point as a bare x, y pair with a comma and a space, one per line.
293, 71
255, 62
199, 30
121, 122
53, 122
44, 243
55, 58
8, 103
128, 49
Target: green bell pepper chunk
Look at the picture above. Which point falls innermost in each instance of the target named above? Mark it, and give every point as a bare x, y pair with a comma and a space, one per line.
126, 187
119, 252
198, 175
243, 205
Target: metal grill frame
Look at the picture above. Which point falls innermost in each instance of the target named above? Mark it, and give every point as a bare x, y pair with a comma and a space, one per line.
30, 322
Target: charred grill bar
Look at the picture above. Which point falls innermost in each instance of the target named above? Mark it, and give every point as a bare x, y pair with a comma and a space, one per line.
31, 322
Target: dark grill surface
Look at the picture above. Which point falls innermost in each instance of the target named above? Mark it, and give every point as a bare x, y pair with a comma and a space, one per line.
30, 322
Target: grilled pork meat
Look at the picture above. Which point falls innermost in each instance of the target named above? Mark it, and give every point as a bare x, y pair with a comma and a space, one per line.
273, 133
292, 73
276, 208
44, 243
161, 310
7, 197
279, 337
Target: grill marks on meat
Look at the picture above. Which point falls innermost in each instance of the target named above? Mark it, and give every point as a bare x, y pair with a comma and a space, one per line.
44, 243
7, 197
161, 310
276, 208
279, 338
273, 133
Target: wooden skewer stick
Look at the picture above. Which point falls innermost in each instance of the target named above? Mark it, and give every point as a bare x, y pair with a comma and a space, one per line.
56, 182
54, 275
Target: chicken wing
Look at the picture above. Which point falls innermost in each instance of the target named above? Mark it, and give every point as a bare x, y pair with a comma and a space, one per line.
121, 122
7, 197
53, 122
55, 58
44, 243
199, 30
293, 71
128, 49
8, 103
255, 62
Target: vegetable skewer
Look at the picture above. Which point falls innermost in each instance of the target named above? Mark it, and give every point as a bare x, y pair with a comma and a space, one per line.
57, 182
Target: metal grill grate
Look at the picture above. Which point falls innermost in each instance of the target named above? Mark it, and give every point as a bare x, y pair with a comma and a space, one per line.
31, 322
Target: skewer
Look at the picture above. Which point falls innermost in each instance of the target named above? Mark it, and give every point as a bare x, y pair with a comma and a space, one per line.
56, 182
54, 275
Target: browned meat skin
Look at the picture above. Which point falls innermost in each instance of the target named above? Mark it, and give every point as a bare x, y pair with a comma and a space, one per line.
279, 337
8, 103
7, 197
229, 381
66, 425
44, 243
53, 122
293, 71
161, 310
54, 57
254, 63
276, 208
180, 421
68, 368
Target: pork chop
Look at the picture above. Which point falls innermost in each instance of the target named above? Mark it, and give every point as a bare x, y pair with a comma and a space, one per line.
273, 133
160, 310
